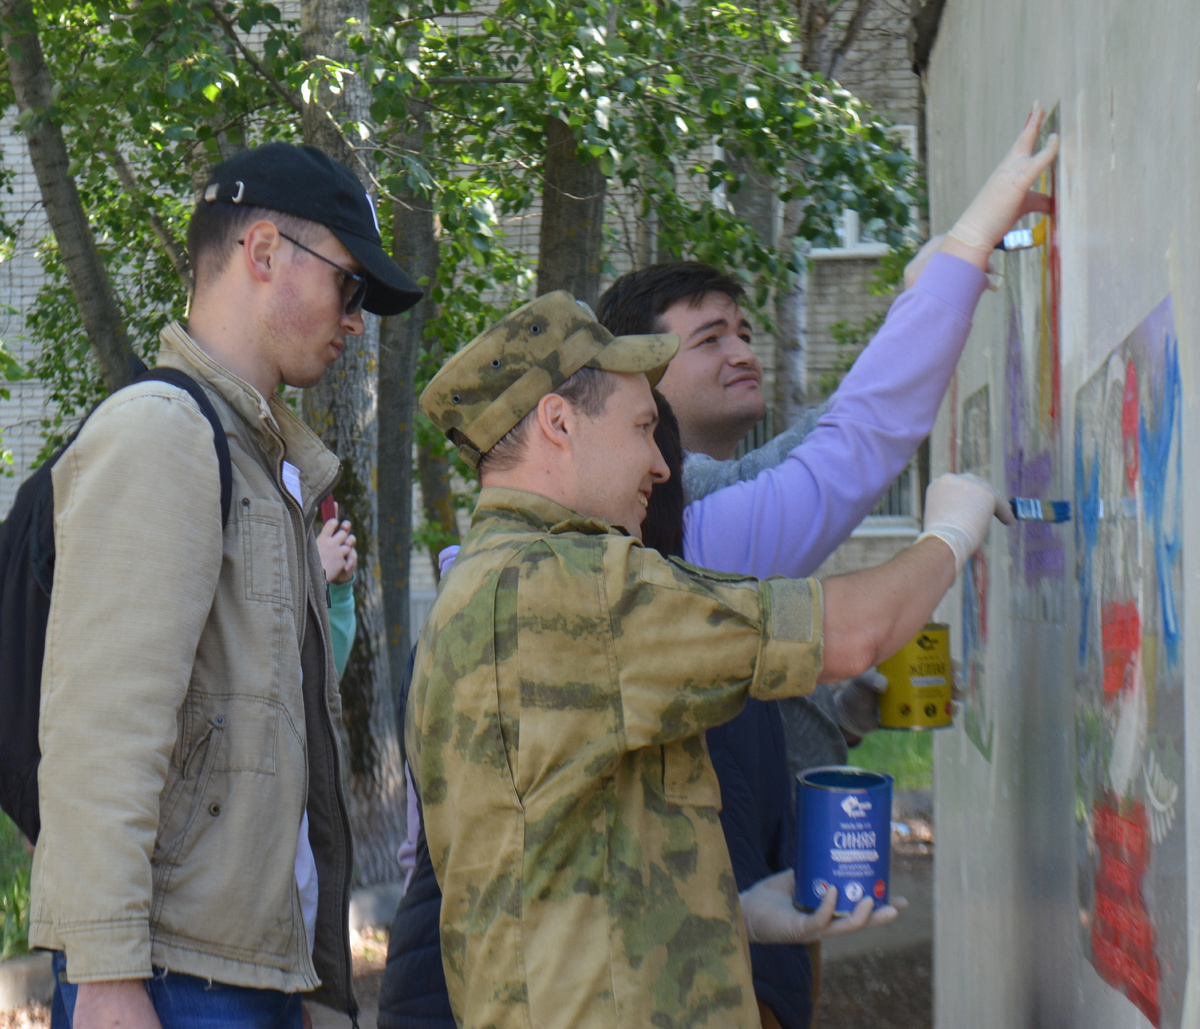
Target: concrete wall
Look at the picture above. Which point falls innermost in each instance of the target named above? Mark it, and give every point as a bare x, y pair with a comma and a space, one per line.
1020, 835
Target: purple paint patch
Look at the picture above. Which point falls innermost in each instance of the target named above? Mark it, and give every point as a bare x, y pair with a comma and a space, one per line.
1035, 475
1044, 564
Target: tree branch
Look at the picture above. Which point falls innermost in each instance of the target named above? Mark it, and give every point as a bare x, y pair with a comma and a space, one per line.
853, 28
289, 97
476, 80
175, 253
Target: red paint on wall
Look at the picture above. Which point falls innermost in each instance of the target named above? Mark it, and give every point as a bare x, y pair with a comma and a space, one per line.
1121, 639
1123, 936
1129, 425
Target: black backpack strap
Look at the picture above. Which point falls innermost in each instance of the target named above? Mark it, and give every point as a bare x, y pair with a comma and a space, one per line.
185, 382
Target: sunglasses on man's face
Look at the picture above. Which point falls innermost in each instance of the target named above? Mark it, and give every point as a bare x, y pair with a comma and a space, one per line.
357, 283
358, 291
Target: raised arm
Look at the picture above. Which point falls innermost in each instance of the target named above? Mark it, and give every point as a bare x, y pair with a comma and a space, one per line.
806, 506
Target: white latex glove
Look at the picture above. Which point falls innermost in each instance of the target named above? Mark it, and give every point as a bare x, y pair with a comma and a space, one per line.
958, 511
857, 702
771, 917
1006, 196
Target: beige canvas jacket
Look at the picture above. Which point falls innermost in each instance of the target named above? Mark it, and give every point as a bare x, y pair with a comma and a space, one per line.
179, 748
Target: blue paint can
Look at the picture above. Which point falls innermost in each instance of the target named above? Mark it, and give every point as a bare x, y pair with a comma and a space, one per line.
843, 836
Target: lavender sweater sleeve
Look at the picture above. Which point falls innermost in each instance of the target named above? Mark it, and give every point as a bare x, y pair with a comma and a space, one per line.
789, 518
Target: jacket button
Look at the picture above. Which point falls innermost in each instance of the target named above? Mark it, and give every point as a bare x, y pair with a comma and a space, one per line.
219, 720
214, 809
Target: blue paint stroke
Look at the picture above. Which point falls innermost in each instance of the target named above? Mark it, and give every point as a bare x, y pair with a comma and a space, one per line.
970, 621
1156, 437
1087, 531
1014, 453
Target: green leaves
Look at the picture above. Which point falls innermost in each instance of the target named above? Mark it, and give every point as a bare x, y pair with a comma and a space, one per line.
674, 100
14, 914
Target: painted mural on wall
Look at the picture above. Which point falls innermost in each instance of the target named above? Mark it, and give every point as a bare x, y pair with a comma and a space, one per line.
1131, 839
976, 452
1033, 413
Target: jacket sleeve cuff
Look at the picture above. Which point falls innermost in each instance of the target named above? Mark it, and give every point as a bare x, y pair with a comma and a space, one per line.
106, 952
789, 657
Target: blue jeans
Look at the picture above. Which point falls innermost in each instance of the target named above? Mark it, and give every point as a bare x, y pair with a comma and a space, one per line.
186, 1002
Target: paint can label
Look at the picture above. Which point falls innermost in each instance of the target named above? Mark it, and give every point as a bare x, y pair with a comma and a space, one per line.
920, 692
843, 836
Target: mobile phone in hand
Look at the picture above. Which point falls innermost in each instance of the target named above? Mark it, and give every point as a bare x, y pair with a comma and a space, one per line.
329, 509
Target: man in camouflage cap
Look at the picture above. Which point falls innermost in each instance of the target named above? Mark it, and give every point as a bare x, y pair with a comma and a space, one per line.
566, 676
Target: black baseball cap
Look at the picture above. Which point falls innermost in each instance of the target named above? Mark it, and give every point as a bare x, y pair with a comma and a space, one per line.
308, 183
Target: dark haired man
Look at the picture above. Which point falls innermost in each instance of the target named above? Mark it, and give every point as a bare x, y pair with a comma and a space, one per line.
194, 857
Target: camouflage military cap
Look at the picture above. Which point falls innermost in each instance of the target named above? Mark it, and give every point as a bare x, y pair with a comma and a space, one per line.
498, 378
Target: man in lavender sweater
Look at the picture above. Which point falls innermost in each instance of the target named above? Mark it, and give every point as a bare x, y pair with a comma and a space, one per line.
783, 509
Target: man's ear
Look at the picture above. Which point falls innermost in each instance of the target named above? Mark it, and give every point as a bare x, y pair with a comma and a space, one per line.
554, 418
261, 249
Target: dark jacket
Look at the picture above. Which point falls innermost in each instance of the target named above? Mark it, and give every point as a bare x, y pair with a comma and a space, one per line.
413, 992
758, 815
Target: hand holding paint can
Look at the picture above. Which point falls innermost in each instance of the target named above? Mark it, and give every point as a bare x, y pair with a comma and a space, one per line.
920, 693
843, 836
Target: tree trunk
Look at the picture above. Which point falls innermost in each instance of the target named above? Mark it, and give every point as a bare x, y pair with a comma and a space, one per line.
437, 497
818, 52
33, 90
416, 251
791, 349
853, 27
572, 217
342, 410
757, 204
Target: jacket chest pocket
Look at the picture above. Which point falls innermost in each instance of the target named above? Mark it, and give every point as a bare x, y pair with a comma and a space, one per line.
265, 529
689, 779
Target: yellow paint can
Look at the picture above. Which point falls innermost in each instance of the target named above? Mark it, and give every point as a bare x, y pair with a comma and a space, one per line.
920, 693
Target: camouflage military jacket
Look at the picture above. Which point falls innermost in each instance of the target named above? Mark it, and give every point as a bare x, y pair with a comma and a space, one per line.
564, 680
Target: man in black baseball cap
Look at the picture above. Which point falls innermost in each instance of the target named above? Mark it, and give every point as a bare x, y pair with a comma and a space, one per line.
308, 183
212, 880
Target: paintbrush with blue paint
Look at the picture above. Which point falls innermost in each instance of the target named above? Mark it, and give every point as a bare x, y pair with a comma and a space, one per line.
1029, 509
